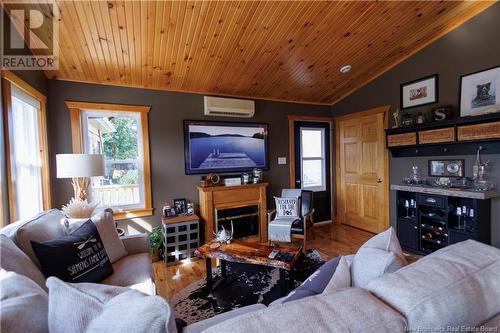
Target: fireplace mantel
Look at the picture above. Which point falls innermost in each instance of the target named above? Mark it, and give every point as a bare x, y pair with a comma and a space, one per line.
225, 197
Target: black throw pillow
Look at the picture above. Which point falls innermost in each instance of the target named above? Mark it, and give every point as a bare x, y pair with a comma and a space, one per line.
78, 257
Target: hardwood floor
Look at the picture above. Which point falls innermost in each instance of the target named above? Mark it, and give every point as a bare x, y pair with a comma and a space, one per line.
330, 241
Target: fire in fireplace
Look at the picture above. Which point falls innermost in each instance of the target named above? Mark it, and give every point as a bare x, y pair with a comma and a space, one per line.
245, 220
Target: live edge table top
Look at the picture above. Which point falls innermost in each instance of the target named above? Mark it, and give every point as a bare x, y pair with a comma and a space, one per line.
248, 253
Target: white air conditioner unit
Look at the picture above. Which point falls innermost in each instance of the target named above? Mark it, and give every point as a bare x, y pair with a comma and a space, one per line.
229, 107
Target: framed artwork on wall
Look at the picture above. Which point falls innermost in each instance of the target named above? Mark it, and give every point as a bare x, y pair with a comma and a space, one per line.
480, 92
419, 92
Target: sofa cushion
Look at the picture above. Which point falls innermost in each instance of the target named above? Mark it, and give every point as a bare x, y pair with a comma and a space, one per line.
342, 277
107, 230
379, 255
348, 310
105, 309
15, 260
314, 284
24, 304
43, 227
79, 257
458, 285
133, 271
204, 324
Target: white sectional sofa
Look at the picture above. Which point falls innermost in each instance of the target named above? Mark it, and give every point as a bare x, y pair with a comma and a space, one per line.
134, 270
456, 289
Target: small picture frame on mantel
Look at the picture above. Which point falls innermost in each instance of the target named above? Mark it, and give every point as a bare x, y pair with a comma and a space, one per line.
419, 92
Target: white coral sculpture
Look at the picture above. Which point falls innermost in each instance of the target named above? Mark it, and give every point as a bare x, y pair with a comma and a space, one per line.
79, 209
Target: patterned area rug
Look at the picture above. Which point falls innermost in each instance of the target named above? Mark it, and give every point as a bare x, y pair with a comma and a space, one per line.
248, 284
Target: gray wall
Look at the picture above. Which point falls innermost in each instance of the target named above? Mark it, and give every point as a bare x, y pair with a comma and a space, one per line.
168, 110
471, 47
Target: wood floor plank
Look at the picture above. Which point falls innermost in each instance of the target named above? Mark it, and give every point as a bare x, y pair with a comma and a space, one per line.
330, 241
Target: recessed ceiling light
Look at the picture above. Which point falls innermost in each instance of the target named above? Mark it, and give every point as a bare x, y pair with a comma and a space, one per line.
345, 69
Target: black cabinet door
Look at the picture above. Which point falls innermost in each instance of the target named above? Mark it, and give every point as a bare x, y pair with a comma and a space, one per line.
408, 233
457, 237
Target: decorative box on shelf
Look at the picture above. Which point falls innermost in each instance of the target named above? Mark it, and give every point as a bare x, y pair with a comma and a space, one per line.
182, 237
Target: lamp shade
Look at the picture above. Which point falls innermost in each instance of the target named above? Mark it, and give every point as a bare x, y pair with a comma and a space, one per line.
79, 165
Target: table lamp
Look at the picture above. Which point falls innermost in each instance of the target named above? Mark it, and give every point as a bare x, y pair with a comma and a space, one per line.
80, 167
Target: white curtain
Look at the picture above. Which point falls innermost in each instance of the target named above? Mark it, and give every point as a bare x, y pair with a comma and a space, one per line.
25, 147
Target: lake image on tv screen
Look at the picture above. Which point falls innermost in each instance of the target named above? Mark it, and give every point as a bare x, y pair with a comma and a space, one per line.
226, 147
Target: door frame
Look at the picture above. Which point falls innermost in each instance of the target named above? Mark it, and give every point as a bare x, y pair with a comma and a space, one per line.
291, 139
382, 109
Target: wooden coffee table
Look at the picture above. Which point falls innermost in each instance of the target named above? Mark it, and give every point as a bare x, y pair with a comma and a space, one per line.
246, 253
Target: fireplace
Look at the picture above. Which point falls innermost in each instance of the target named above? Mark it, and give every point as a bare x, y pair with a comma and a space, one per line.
243, 204
245, 220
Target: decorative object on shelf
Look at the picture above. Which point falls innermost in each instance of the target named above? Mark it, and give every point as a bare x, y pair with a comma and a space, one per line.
180, 206
80, 167
257, 175
397, 118
212, 179
224, 236
419, 92
446, 168
232, 181
441, 113
79, 209
155, 243
190, 208
479, 167
245, 178
415, 177
407, 119
420, 118
480, 92
169, 211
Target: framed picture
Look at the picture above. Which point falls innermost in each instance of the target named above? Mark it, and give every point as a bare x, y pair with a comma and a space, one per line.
446, 168
419, 92
480, 92
180, 206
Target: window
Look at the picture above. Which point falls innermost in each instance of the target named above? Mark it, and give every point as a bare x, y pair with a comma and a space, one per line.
312, 141
120, 133
27, 160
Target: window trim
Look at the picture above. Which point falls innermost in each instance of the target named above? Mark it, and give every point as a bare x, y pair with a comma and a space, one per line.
77, 108
321, 158
9, 79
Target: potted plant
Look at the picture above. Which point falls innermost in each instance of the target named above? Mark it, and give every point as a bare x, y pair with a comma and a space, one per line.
155, 243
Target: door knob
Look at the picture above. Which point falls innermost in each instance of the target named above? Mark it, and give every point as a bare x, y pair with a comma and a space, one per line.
297, 182
379, 180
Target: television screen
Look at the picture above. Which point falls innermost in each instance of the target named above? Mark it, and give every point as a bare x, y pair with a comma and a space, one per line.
211, 146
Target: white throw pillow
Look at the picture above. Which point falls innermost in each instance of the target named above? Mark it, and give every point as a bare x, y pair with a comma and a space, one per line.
107, 230
379, 255
287, 207
89, 307
24, 304
342, 277
40, 228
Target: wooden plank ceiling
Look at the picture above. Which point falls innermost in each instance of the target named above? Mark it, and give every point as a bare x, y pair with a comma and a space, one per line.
288, 50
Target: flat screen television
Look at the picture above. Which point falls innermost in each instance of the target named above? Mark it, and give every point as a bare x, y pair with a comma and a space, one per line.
211, 146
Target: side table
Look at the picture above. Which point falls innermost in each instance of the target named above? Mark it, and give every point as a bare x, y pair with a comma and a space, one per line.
182, 237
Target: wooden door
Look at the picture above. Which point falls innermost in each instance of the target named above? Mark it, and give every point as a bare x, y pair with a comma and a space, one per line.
362, 170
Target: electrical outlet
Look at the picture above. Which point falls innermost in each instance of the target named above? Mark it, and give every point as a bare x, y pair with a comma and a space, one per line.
281, 160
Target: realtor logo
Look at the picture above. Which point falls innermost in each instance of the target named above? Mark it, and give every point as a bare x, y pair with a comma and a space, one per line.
30, 35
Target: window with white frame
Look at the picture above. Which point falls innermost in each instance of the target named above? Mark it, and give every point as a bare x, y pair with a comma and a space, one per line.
118, 136
312, 157
26, 153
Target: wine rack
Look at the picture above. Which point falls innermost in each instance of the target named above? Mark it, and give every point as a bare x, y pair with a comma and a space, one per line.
427, 223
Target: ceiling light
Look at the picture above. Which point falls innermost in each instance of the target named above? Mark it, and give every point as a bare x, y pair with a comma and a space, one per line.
345, 69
